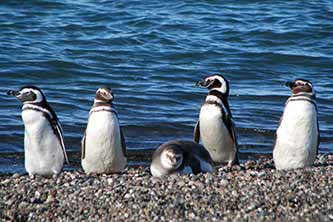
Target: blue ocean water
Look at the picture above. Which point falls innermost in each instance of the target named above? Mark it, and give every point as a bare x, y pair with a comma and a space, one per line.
152, 52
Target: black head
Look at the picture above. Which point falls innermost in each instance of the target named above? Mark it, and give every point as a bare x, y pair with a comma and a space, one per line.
104, 94
215, 82
28, 94
301, 86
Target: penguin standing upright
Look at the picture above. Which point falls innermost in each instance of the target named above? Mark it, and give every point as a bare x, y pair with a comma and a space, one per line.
215, 127
180, 156
297, 137
44, 148
103, 144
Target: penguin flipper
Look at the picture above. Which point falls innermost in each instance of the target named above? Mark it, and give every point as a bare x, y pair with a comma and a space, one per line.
318, 139
280, 121
55, 124
123, 143
196, 136
59, 133
318, 130
231, 128
195, 165
236, 160
83, 146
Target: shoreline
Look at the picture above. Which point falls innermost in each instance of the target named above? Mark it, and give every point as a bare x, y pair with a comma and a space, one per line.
13, 162
252, 191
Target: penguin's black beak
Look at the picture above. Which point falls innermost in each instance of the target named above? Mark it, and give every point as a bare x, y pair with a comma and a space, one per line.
13, 93
290, 84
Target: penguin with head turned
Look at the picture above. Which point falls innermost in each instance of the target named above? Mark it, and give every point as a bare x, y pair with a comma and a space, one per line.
44, 148
103, 144
297, 137
215, 127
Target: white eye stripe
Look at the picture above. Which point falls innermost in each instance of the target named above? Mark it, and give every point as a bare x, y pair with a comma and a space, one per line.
224, 88
27, 90
299, 82
215, 77
104, 92
211, 78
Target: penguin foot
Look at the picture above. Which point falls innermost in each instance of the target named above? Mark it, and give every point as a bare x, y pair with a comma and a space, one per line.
32, 176
55, 175
93, 174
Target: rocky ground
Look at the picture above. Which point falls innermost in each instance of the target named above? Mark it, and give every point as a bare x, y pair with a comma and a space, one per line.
253, 191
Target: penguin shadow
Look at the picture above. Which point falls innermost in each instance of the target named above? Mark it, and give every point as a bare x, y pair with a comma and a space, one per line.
131, 170
109, 174
256, 161
322, 164
244, 166
323, 160
249, 164
38, 177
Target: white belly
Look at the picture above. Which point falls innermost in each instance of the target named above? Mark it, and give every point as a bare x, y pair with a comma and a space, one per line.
215, 136
103, 152
297, 136
156, 170
43, 151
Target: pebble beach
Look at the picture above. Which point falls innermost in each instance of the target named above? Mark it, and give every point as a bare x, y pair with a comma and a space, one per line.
152, 54
252, 191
